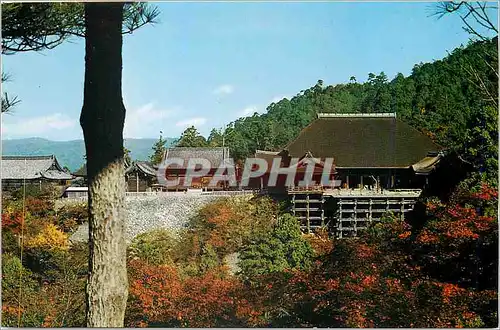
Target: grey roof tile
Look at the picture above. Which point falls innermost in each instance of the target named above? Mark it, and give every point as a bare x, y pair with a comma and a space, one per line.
32, 167
215, 156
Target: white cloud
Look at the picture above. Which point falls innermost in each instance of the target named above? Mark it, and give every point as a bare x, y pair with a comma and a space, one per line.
248, 111
36, 126
224, 89
197, 121
144, 121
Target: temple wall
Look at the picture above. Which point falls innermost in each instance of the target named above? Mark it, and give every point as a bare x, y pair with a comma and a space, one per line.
145, 213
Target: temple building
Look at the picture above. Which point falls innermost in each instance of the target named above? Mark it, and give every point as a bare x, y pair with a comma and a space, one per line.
32, 170
380, 165
369, 150
216, 156
140, 176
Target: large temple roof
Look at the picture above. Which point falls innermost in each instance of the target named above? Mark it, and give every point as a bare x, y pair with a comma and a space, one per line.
363, 141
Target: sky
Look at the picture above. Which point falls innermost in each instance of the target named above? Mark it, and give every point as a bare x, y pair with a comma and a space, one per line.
207, 64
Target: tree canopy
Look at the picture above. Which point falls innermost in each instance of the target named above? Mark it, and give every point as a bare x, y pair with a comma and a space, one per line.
40, 26
453, 100
191, 138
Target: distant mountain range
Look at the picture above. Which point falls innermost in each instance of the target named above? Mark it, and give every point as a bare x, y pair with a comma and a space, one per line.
70, 153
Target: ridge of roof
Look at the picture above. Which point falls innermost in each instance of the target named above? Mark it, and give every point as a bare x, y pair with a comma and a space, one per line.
267, 152
197, 148
373, 141
357, 115
27, 157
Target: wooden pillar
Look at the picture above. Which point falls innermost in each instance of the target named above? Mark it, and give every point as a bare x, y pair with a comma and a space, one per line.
402, 209
347, 181
356, 215
340, 219
136, 181
322, 210
370, 214
307, 214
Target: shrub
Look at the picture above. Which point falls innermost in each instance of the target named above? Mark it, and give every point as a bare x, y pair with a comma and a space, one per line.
60, 303
229, 224
51, 238
283, 248
14, 274
38, 207
155, 247
69, 217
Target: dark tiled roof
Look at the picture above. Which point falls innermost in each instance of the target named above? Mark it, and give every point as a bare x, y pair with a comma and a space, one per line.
145, 167
32, 167
268, 156
215, 155
363, 141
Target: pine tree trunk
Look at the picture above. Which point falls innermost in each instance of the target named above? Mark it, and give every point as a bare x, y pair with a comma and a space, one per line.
102, 121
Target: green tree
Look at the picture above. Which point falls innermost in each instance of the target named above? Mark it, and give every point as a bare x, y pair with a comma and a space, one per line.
126, 156
283, 248
35, 27
216, 138
8, 102
158, 151
191, 138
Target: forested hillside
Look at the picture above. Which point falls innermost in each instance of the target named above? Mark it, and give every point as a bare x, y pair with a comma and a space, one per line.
453, 100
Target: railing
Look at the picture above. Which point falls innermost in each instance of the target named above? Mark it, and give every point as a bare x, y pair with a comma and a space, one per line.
229, 192
300, 189
374, 192
192, 192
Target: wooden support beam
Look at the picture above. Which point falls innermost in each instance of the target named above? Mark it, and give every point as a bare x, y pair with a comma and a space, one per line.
356, 213
322, 210
308, 220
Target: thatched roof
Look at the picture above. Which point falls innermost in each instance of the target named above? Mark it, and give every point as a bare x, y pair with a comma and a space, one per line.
32, 167
362, 141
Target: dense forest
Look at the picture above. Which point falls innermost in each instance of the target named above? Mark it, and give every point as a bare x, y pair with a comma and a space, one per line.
453, 100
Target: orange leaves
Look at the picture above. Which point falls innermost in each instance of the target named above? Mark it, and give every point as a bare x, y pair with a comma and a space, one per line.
159, 295
12, 221
364, 251
486, 193
404, 235
369, 281
455, 223
320, 242
451, 290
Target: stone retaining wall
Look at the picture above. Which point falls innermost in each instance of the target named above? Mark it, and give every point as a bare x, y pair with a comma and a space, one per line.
146, 213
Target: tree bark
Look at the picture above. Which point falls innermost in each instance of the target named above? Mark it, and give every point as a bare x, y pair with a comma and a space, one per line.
102, 120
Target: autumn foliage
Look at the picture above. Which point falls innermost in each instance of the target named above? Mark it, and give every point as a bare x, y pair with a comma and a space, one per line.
438, 271
160, 297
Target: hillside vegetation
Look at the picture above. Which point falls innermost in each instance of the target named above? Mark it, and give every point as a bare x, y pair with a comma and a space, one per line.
453, 100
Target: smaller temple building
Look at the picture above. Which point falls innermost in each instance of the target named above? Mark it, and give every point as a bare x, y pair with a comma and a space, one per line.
177, 172
32, 170
139, 175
